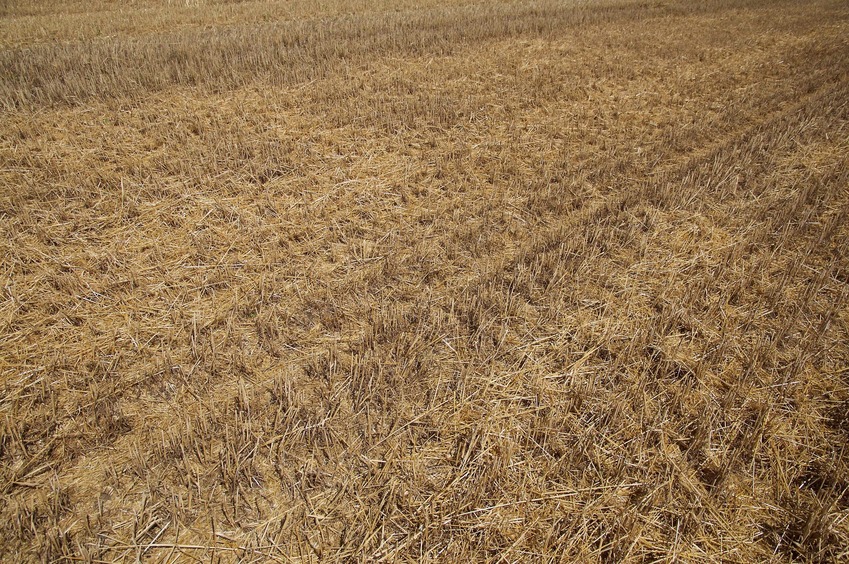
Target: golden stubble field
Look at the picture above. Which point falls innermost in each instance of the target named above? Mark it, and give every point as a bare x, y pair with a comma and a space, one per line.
424, 281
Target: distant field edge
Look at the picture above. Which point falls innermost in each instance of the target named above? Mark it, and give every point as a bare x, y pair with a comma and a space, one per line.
289, 52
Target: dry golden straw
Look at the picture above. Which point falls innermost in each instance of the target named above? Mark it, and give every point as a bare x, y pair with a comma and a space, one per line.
424, 281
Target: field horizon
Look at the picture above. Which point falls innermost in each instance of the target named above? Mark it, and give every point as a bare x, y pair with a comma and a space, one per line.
437, 280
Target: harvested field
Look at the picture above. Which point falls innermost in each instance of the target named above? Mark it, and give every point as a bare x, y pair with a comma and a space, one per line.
439, 280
